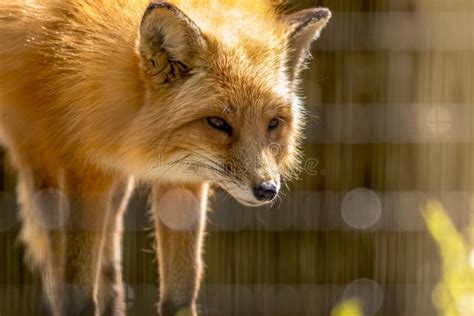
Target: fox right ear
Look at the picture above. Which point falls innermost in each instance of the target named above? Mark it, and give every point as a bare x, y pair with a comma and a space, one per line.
305, 27
169, 42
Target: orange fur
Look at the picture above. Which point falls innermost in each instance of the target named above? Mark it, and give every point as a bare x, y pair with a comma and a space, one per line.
96, 91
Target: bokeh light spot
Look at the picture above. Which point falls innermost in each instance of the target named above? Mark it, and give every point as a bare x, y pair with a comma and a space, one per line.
439, 120
361, 208
178, 209
367, 292
52, 207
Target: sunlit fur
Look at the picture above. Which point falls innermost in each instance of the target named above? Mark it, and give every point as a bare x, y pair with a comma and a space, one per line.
78, 103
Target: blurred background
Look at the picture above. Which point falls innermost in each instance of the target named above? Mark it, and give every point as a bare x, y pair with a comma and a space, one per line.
390, 93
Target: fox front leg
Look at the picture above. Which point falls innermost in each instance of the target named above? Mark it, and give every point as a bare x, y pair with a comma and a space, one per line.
89, 196
110, 287
180, 215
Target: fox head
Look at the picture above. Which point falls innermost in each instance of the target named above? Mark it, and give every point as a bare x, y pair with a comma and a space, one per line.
221, 93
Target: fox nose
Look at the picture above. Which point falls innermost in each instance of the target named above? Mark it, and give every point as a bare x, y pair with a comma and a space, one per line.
265, 191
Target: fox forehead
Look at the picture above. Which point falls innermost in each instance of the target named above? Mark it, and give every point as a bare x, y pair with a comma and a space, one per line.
244, 82
244, 95
231, 84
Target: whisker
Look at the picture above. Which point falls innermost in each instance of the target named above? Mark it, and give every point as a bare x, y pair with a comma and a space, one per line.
171, 165
216, 164
203, 165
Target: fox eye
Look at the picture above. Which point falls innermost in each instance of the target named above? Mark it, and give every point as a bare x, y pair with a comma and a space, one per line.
219, 124
274, 123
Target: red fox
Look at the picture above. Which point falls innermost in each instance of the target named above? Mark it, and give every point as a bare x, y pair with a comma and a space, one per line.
181, 95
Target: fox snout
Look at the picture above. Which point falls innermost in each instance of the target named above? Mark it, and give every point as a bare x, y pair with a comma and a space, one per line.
253, 195
266, 182
265, 191
253, 186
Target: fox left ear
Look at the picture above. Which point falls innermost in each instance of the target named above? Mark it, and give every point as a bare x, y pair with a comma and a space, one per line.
169, 42
305, 27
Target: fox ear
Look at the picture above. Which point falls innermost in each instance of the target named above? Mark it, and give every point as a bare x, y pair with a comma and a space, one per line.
305, 27
169, 42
